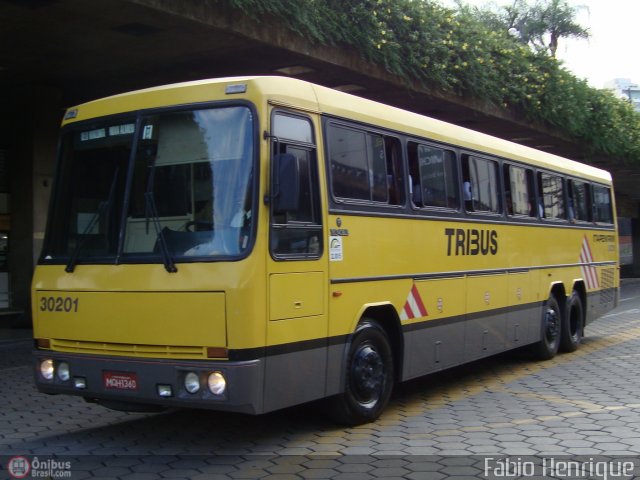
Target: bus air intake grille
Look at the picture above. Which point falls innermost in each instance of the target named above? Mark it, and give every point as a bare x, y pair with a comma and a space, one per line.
608, 292
129, 350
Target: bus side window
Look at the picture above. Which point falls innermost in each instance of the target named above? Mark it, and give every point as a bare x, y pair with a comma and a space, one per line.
395, 177
467, 194
415, 189
480, 184
552, 196
602, 208
519, 191
434, 177
578, 193
365, 166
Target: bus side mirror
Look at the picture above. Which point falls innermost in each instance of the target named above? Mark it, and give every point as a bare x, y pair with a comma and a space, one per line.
286, 183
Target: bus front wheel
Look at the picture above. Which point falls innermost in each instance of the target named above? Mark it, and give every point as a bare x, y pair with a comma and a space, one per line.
572, 324
369, 377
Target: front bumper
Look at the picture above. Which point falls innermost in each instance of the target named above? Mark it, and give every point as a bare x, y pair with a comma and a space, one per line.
139, 381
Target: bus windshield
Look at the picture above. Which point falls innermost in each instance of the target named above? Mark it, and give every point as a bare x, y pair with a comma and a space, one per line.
172, 185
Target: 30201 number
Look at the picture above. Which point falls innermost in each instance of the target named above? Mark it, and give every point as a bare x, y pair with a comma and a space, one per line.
58, 304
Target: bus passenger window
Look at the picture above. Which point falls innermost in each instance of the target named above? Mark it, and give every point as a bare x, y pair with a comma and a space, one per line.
602, 208
364, 166
349, 165
519, 191
377, 168
579, 201
480, 184
434, 177
552, 195
395, 177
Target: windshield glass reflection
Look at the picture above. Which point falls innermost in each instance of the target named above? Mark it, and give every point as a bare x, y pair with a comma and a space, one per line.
190, 188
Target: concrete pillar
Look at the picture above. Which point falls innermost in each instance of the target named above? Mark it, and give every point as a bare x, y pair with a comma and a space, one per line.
47, 117
20, 260
34, 128
635, 236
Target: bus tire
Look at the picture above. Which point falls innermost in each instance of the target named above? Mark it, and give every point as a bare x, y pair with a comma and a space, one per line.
550, 326
369, 377
572, 324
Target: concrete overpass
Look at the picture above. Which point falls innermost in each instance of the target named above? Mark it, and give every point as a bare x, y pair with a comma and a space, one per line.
60, 52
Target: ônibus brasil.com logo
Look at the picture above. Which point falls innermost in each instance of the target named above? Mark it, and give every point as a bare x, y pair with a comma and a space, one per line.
22, 467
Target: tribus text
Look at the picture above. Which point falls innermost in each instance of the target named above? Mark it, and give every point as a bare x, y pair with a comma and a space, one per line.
471, 241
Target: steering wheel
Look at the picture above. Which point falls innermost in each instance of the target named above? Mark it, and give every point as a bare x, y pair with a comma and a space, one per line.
198, 226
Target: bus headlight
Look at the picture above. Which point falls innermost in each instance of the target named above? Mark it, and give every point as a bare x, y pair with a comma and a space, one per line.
192, 382
217, 383
46, 369
63, 371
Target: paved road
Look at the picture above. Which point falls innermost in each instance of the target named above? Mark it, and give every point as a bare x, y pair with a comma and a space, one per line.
585, 404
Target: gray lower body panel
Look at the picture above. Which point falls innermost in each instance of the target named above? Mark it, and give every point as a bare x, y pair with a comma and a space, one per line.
434, 346
295, 377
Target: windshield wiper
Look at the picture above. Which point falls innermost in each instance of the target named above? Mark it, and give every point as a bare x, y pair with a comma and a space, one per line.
102, 208
152, 212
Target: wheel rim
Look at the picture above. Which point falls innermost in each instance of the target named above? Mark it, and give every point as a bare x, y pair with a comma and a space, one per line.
367, 375
575, 322
552, 325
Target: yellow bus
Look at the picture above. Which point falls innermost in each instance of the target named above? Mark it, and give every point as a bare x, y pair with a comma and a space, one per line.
248, 244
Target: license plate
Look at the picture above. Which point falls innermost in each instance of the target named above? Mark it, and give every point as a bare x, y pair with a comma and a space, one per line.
120, 380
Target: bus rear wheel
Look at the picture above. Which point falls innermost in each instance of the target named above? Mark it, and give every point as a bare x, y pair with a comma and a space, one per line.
550, 326
369, 377
572, 324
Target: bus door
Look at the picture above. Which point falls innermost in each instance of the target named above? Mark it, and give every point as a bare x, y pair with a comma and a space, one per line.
296, 265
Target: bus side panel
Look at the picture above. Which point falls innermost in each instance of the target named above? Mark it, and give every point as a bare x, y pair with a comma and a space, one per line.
336, 358
523, 318
294, 377
433, 346
486, 326
296, 352
438, 342
601, 301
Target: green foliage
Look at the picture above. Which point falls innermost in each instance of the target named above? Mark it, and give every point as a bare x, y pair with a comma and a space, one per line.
460, 52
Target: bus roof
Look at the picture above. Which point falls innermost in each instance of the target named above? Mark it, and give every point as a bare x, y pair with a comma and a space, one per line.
301, 94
